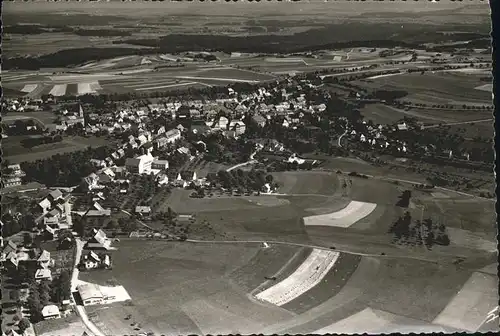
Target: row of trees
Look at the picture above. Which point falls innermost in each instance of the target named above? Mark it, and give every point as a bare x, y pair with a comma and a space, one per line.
240, 179
41, 140
415, 233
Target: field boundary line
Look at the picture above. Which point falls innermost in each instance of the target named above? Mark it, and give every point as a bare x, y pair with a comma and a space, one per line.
386, 256
279, 272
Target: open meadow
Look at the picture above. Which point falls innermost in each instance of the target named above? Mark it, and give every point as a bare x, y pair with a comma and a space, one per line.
15, 152
439, 87
186, 287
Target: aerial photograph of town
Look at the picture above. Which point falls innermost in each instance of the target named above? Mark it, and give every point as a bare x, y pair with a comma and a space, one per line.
215, 168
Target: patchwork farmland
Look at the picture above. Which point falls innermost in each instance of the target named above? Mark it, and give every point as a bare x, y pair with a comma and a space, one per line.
279, 274
122, 75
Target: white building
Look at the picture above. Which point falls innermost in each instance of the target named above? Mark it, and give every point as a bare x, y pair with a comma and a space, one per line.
140, 165
159, 164
90, 294
50, 312
173, 135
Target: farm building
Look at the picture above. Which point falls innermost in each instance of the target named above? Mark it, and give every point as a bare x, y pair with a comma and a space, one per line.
92, 260
90, 182
55, 195
90, 294
44, 259
50, 312
259, 119
43, 274
173, 135
143, 210
99, 240
13, 177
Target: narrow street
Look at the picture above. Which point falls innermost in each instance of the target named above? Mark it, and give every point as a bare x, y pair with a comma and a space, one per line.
80, 310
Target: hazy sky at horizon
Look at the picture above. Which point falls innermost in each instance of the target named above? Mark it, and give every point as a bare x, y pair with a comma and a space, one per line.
244, 8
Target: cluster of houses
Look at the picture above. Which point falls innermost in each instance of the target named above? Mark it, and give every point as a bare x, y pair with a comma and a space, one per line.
12, 176
92, 260
70, 119
13, 256
382, 136
55, 215
22, 104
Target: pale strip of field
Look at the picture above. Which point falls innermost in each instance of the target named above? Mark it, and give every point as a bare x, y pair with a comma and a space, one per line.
15, 77
83, 77
284, 60
352, 290
469, 308
218, 79
485, 87
468, 239
386, 75
84, 88
88, 65
58, 90
164, 86
130, 72
149, 83
344, 218
166, 58
305, 277
121, 58
471, 71
372, 321
29, 88
211, 67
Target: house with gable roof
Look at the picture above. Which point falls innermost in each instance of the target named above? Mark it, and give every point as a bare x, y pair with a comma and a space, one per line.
99, 240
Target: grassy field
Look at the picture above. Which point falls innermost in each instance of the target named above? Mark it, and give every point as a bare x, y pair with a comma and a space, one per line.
384, 114
169, 279
309, 182
16, 153
434, 88
266, 263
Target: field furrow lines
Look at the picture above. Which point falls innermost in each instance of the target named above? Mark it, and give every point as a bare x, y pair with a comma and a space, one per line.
308, 275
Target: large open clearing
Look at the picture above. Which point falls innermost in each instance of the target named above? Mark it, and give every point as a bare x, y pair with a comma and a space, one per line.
15, 152
440, 87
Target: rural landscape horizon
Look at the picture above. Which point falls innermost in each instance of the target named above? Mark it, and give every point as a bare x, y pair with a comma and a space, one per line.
180, 168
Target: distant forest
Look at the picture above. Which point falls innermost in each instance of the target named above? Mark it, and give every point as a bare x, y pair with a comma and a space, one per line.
38, 29
337, 36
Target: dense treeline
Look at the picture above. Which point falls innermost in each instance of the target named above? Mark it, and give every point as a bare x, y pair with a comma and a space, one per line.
415, 233
240, 179
64, 169
101, 32
70, 57
41, 140
24, 29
